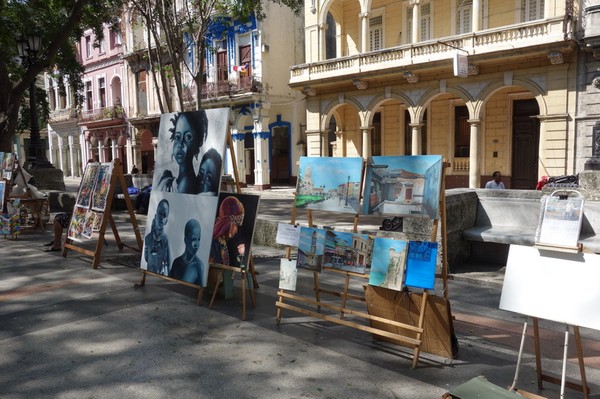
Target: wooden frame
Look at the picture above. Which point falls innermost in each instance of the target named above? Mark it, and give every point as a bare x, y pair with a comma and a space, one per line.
116, 178
404, 333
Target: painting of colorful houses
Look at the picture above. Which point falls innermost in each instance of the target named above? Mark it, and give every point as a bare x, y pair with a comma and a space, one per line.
311, 249
329, 184
403, 186
347, 251
389, 263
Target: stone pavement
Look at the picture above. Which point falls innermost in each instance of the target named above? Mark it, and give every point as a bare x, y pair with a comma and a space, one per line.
69, 331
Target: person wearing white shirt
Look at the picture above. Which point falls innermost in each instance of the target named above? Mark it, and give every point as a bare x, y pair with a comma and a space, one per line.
496, 183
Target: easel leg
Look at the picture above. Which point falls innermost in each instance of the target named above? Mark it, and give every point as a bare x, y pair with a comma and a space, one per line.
317, 289
143, 282
243, 295
417, 350
279, 310
345, 295
538, 354
219, 278
519, 358
584, 386
563, 377
200, 296
250, 279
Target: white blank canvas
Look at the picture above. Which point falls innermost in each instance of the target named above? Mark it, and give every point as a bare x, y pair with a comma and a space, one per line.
553, 285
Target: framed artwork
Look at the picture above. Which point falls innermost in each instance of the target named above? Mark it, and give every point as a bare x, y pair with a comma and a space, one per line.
389, 263
234, 229
560, 221
329, 184
311, 249
77, 224
403, 186
86, 188
420, 264
288, 274
2, 191
2, 160
350, 252
178, 236
101, 187
191, 151
8, 165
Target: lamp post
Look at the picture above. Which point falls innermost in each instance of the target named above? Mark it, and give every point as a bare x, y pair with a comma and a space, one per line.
28, 49
347, 190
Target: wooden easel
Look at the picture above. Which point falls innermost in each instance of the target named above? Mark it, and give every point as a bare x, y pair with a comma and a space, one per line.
407, 334
36, 206
107, 218
221, 269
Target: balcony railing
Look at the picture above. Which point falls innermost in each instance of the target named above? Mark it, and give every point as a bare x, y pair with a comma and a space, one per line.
99, 114
492, 40
62, 115
250, 84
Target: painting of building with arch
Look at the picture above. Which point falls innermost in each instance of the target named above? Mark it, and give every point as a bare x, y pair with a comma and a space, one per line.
403, 186
311, 249
329, 184
388, 263
346, 251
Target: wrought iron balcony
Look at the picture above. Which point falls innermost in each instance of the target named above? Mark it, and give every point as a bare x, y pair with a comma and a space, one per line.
102, 114
244, 85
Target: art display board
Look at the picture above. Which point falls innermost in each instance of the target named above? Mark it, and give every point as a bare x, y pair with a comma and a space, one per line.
536, 282
312, 255
329, 184
403, 186
560, 221
184, 199
92, 212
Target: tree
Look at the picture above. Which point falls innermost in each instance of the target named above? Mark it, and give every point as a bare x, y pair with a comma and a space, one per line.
60, 23
168, 26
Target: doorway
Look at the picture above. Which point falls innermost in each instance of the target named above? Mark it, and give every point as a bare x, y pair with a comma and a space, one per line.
525, 144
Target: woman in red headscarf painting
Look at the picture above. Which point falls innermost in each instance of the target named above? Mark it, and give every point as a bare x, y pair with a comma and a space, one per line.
230, 218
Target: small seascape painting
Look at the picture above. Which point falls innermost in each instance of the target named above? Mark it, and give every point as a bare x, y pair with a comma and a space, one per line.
420, 264
329, 184
389, 263
403, 186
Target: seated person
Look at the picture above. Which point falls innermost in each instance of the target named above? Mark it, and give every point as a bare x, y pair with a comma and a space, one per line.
60, 223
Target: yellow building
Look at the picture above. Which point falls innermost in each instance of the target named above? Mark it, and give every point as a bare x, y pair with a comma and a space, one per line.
488, 84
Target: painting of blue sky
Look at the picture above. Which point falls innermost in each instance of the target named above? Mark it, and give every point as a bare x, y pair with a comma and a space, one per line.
388, 263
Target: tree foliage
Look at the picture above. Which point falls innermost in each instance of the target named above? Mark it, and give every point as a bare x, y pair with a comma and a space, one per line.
60, 23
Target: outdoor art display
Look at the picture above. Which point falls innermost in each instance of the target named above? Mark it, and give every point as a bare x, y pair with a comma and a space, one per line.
8, 165
560, 221
311, 249
288, 274
403, 186
388, 263
2, 191
78, 223
329, 184
177, 238
421, 263
288, 234
101, 187
350, 252
190, 151
233, 229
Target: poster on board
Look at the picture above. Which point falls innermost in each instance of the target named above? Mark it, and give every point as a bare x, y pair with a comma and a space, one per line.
403, 186
560, 221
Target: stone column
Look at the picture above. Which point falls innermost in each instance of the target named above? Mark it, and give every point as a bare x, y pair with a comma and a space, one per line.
314, 143
416, 21
61, 151
101, 156
366, 141
364, 43
71, 156
238, 150
416, 138
476, 15
594, 162
261, 135
474, 173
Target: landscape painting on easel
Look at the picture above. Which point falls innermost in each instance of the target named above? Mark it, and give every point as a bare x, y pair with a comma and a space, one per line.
403, 186
234, 229
350, 252
388, 263
329, 184
311, 249
420, 264
190, 151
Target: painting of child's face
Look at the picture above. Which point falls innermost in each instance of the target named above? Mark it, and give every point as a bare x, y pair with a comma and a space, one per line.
207, 175
183, 141
161, 217
192, 237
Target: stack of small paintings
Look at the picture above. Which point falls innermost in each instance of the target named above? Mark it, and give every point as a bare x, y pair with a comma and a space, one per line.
190, 224
329, 184
403, 186
91, 201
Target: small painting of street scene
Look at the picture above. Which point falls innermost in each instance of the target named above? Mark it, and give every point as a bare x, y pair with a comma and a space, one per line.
388, 263
311, 249
403, 186
329, 184
420, 264
347, 251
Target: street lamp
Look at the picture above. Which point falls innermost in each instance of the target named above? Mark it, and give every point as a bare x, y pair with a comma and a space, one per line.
347, 190
28, 49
